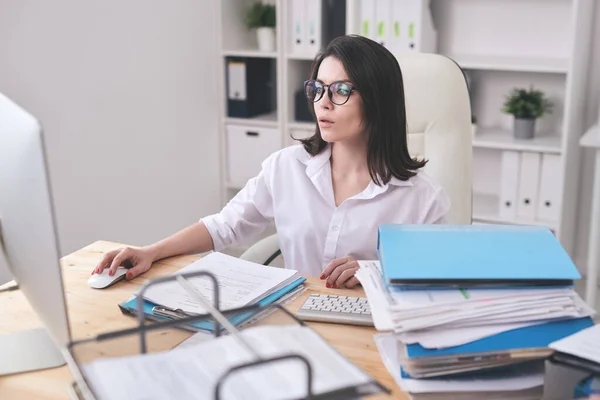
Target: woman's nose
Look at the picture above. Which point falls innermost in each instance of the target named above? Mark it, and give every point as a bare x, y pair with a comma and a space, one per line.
325, 101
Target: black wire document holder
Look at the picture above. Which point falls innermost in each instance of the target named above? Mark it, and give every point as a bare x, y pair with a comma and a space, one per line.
82, 390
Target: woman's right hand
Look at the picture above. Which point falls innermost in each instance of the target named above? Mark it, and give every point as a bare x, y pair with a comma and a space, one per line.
137, 260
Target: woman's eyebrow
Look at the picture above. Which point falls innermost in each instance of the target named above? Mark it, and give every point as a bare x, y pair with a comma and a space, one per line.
337, 80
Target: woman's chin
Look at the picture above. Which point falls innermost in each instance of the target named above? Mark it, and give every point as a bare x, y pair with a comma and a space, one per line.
330, 136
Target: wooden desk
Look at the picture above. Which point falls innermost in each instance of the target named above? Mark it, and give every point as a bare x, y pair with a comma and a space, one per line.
92, 312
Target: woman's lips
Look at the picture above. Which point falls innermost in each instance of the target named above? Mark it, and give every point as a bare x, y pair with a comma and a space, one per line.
325, 123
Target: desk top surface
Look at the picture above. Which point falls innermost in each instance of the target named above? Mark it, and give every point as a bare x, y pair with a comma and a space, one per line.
92, 312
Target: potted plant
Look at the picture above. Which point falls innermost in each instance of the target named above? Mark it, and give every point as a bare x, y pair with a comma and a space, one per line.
526, 106
262, 18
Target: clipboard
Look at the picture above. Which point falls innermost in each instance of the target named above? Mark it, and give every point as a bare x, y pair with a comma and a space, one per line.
81, 388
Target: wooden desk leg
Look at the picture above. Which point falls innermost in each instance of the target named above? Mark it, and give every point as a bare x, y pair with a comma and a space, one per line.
593, 263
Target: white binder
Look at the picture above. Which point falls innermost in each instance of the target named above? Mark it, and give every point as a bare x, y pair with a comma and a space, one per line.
421, 35
509, 183
549, 200
367, 19
313, 12
383, 12
236, 76
529, 184
299, 34
398, 26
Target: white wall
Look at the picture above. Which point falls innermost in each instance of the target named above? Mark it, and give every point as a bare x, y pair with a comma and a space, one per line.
125, 91
587, 169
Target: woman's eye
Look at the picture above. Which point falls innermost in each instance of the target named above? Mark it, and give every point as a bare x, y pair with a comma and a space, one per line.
343, 91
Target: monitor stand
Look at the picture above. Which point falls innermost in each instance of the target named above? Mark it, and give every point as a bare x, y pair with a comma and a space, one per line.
30, 350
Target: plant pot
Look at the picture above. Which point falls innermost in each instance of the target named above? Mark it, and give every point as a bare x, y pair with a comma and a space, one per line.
524, 128
266, 39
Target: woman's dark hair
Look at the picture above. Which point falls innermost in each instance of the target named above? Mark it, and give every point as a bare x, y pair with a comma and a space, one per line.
376, 74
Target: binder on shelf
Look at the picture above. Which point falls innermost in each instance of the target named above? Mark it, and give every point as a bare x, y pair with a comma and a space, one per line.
383, 11
529, 178
398, 22
313, 24
495, 256
509, 183
549, 199
250, 82
299, 34
367, 19
422, 35
88, 367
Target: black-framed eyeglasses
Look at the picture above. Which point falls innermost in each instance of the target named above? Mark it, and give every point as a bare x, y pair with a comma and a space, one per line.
338, 92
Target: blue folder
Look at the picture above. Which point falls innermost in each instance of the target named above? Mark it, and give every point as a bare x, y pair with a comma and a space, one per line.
530, 337
473, 255
130, 307
537, 336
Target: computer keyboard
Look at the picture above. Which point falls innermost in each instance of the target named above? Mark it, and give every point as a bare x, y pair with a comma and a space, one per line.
337, 309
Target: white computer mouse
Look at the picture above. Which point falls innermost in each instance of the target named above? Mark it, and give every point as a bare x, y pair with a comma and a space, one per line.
103, 280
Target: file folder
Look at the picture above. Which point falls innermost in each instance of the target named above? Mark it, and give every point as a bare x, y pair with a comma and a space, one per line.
313, 16
510, 349
550, 181
509, 184
150, 309
535, 336
367, 18
299, 34
249, 83
528, 184
383, 12
417, 256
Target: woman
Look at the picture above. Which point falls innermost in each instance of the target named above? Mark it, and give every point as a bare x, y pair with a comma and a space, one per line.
327, 195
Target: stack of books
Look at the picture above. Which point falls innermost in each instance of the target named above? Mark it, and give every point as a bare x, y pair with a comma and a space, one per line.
470, 311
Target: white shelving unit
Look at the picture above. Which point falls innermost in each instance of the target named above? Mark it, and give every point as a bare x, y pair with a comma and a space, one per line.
500, 44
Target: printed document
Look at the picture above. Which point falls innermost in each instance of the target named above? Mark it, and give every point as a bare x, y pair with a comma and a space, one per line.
584, 344
192, 372
240, 283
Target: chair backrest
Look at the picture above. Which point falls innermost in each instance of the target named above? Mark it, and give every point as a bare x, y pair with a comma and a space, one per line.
439, 126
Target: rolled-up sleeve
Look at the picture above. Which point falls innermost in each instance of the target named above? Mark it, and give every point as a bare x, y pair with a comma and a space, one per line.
246, 215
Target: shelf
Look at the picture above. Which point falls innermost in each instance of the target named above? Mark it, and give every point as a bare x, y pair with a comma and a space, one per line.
305, 57
486, 209
250, 53
490, 138
268, 120
591, 138
501, 63
307, 126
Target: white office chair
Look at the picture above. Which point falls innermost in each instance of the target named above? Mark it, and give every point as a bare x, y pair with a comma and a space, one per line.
439, 129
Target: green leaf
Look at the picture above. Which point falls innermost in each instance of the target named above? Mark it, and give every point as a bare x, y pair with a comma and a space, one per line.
523, 103
261, 15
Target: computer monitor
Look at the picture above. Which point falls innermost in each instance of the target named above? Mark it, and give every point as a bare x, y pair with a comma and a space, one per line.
29, 244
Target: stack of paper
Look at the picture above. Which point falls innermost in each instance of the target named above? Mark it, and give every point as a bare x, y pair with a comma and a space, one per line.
581, 350
241, 283
461, 302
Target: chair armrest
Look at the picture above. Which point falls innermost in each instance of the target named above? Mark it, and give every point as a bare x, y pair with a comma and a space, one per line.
264, 251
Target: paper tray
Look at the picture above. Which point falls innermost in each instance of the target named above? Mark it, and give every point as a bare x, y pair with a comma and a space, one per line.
123, 343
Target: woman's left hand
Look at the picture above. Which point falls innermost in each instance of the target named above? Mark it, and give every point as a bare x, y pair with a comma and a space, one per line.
340, 273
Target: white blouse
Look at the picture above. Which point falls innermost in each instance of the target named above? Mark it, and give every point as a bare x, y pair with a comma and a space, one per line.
295, 191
